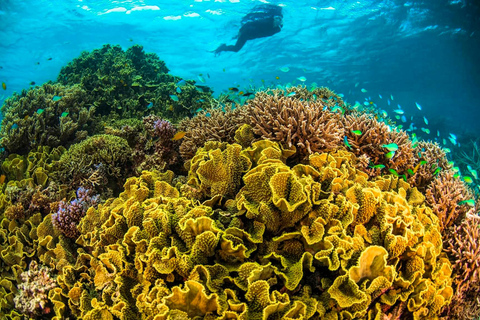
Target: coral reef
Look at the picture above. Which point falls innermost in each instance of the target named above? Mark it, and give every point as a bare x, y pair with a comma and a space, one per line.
32, 299
445, 195
69, 214
464, 248
293, 122
293, 204
313, 240
51, 115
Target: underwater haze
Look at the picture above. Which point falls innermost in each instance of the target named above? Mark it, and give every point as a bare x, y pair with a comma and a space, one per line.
418, 51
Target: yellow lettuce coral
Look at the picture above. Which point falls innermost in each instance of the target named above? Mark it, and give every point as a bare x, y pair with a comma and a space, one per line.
313, 240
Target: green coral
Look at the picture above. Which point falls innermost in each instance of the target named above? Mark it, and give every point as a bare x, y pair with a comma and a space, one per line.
126, 82
34, 118
99, 162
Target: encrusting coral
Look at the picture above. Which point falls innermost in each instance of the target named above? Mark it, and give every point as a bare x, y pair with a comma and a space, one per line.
313, 240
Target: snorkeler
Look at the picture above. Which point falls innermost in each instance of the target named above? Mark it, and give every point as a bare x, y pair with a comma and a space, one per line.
263, 21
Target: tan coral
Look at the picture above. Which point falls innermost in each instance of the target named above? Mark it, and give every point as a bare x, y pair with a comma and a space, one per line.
292, 122
464, 249
209, 125
374, 135
444, 195
435, 161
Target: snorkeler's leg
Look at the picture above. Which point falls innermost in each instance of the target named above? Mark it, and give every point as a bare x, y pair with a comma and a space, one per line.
241, 40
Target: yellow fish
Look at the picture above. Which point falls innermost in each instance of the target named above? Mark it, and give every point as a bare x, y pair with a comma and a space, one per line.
2, 179
179, 135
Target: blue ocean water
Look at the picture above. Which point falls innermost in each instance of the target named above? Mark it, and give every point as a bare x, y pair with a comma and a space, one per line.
416, 51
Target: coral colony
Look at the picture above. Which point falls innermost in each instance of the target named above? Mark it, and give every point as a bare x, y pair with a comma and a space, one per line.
130, 193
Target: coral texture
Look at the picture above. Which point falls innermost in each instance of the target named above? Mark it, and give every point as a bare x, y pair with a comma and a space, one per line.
209, 125
100, 162
464, 249
293, 122
51, 115
430, 159
69, 214
316, 240
370, 144
444, 195
32, 299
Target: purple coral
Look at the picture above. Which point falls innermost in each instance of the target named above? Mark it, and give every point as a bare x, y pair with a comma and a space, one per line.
70, 213
32, 297
164, 130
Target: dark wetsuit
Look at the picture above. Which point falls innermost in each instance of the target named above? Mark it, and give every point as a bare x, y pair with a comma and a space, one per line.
263, 21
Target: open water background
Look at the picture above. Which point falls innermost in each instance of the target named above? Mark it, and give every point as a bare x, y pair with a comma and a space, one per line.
418, 51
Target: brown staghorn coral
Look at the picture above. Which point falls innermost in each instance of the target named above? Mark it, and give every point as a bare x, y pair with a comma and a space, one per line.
209, 125
369, 144
323, 94
444, 195
464, 250
292, 122
424, 172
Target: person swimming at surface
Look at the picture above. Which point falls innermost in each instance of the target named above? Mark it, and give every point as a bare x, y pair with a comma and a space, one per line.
263, 21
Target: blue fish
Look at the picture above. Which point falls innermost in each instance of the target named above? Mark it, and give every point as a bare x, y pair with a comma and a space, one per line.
150, 105
181, 83
174, 97
56, 98
179, 90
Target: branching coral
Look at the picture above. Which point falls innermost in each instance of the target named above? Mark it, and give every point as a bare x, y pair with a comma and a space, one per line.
322, 94
292, 122
444, 196
374, 135
464, 249
69, 214
100, 162
430, 159
210, 125
31, 298
132, 83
